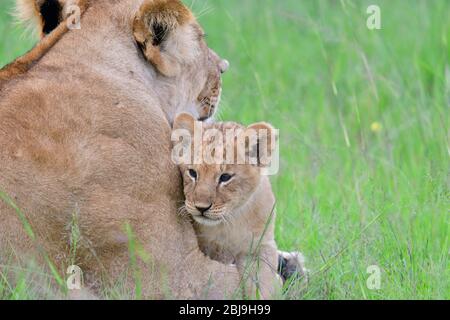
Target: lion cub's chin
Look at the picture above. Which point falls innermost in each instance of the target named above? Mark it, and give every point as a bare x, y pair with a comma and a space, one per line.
207, 221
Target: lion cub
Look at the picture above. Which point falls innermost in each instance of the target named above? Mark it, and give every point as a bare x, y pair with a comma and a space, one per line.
232, 205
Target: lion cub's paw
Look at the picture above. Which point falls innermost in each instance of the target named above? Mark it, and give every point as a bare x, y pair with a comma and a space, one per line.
292, 264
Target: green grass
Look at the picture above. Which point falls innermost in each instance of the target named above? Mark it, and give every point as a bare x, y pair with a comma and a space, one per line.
14, 40
348, 196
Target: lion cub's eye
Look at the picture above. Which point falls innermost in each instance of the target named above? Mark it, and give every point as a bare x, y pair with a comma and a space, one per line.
193, 174
225, 178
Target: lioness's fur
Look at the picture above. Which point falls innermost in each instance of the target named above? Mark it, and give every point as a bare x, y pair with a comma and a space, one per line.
233, 205
85, 137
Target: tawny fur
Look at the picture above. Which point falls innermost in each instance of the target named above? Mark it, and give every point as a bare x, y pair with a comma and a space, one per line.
85, 137
25, 62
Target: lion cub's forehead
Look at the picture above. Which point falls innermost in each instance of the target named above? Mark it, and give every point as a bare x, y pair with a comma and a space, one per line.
225, 127
210, 170
229, 131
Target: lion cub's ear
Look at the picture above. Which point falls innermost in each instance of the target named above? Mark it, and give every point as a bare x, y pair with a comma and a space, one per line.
184, 121
155, 26
261, 141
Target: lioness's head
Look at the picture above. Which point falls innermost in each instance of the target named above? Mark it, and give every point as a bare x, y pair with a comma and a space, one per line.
174, 43
165, 31
215, 191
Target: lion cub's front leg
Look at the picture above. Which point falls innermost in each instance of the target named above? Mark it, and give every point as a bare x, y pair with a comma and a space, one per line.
259, 274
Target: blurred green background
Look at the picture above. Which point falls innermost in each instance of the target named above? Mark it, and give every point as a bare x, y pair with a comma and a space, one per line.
364, 129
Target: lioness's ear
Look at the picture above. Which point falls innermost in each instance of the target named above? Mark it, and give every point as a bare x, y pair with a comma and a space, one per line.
155, 23
46, 15
261, 140
184, 121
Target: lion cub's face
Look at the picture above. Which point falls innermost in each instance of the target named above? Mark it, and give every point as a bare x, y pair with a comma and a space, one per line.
216, 192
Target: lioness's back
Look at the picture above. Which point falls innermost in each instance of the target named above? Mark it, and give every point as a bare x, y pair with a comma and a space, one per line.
68, 132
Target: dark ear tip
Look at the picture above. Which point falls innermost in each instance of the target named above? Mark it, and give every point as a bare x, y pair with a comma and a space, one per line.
160, 32
51, 12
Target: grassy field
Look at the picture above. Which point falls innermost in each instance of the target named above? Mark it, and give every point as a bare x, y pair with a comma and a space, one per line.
364, 129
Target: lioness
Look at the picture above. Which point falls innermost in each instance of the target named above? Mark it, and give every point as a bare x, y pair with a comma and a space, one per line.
85, 137
231, 203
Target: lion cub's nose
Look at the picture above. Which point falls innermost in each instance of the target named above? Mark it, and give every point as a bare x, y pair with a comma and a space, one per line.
203, 209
